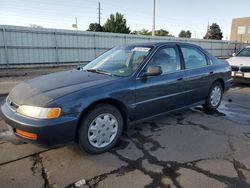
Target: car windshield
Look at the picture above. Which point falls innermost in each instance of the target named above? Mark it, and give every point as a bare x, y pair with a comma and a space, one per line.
119, 61
244, 53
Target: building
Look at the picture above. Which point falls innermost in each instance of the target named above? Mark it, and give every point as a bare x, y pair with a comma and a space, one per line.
240, 29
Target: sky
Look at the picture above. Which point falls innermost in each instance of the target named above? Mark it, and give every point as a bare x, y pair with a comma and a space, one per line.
171, 15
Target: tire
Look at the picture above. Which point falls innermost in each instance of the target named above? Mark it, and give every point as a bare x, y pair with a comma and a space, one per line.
100, 129
212, 104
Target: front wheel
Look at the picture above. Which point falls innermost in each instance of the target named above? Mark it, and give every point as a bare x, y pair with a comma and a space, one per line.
100, 129
214, 97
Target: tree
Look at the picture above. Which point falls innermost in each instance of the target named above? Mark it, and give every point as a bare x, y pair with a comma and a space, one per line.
95, 27
214, 32
185, 34
36, 26
143, 32
116, 24
160, 32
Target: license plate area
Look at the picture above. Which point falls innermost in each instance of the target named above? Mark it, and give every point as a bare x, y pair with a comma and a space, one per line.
241, 74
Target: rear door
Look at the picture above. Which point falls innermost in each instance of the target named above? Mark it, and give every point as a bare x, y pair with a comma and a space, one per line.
198, 73
158, 94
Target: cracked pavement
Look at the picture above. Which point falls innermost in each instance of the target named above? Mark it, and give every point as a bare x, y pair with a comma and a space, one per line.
189, 148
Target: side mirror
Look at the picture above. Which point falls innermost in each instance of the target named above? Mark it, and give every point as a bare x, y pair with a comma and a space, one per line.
153, 71
234, 54
80, 66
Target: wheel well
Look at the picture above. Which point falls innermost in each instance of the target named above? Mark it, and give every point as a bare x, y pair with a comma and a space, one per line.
119, 105
221, 81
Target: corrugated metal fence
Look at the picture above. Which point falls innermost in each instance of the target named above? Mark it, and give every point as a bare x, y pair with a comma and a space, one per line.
26, 46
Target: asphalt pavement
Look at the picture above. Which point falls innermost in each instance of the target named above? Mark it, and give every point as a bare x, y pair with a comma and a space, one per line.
190, 148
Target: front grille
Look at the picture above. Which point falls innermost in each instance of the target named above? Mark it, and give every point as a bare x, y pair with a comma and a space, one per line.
245, 69
240, 68
12, 104
235, 68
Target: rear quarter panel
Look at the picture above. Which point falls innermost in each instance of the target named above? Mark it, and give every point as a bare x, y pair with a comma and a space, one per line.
222, 71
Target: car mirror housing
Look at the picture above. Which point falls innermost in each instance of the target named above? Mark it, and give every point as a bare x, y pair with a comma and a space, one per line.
234, 54
152, 71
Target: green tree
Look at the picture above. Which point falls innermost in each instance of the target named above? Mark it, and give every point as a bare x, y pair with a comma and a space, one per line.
162, 32
36, 26
116, 24
185, 34
95, 27
214, 32
143, 32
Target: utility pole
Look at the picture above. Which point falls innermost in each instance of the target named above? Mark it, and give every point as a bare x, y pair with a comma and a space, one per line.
153, 28
99, 13
76, 24
208, 28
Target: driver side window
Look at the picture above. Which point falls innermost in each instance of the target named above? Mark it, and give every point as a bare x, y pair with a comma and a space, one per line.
167, 59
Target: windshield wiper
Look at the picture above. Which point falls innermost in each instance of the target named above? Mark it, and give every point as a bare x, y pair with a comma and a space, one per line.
98, 71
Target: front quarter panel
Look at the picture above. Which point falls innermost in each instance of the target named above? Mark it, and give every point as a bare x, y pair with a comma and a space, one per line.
122, 90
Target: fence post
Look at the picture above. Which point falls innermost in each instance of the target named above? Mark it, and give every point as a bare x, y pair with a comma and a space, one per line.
235, 46
78, 48
221, 49
95, 45
5, 47
56, 50
125, 40
212, 47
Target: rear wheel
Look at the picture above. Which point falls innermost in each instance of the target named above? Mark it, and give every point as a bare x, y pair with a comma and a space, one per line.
100, 129
214, 97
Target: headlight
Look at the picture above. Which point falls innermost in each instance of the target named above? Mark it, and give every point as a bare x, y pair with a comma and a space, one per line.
39, 112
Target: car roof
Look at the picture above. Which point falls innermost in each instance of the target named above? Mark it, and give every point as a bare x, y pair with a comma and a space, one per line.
156, 44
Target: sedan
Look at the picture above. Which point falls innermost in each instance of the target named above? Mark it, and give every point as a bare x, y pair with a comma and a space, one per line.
94, 104
240, 63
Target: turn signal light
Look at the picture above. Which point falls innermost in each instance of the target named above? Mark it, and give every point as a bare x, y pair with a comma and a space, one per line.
25, 134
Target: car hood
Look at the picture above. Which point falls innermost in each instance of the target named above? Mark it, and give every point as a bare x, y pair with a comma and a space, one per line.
239, 61
44, 89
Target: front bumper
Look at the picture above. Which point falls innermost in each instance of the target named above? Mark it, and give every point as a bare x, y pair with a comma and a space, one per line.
241, 71
49, 132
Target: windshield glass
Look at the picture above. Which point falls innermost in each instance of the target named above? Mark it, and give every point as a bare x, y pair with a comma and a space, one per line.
244, 53
119, 61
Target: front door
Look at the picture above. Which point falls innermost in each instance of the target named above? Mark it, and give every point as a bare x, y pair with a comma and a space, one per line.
165, 92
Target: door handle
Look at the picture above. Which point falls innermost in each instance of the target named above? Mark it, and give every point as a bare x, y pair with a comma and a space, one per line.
179, 79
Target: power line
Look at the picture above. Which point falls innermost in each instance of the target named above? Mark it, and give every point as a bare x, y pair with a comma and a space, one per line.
48, 16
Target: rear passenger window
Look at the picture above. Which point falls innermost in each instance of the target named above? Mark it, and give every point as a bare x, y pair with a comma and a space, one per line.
193, 57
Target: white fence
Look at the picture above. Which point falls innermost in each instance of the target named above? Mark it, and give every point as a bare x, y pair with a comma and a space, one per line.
28, 46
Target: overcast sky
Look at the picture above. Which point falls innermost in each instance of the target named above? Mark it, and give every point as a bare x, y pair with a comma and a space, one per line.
171, 15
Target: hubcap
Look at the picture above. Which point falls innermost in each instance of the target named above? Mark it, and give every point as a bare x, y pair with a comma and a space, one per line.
215, 96
102, 130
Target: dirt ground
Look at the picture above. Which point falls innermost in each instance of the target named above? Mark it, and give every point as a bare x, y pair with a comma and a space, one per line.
189, 148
